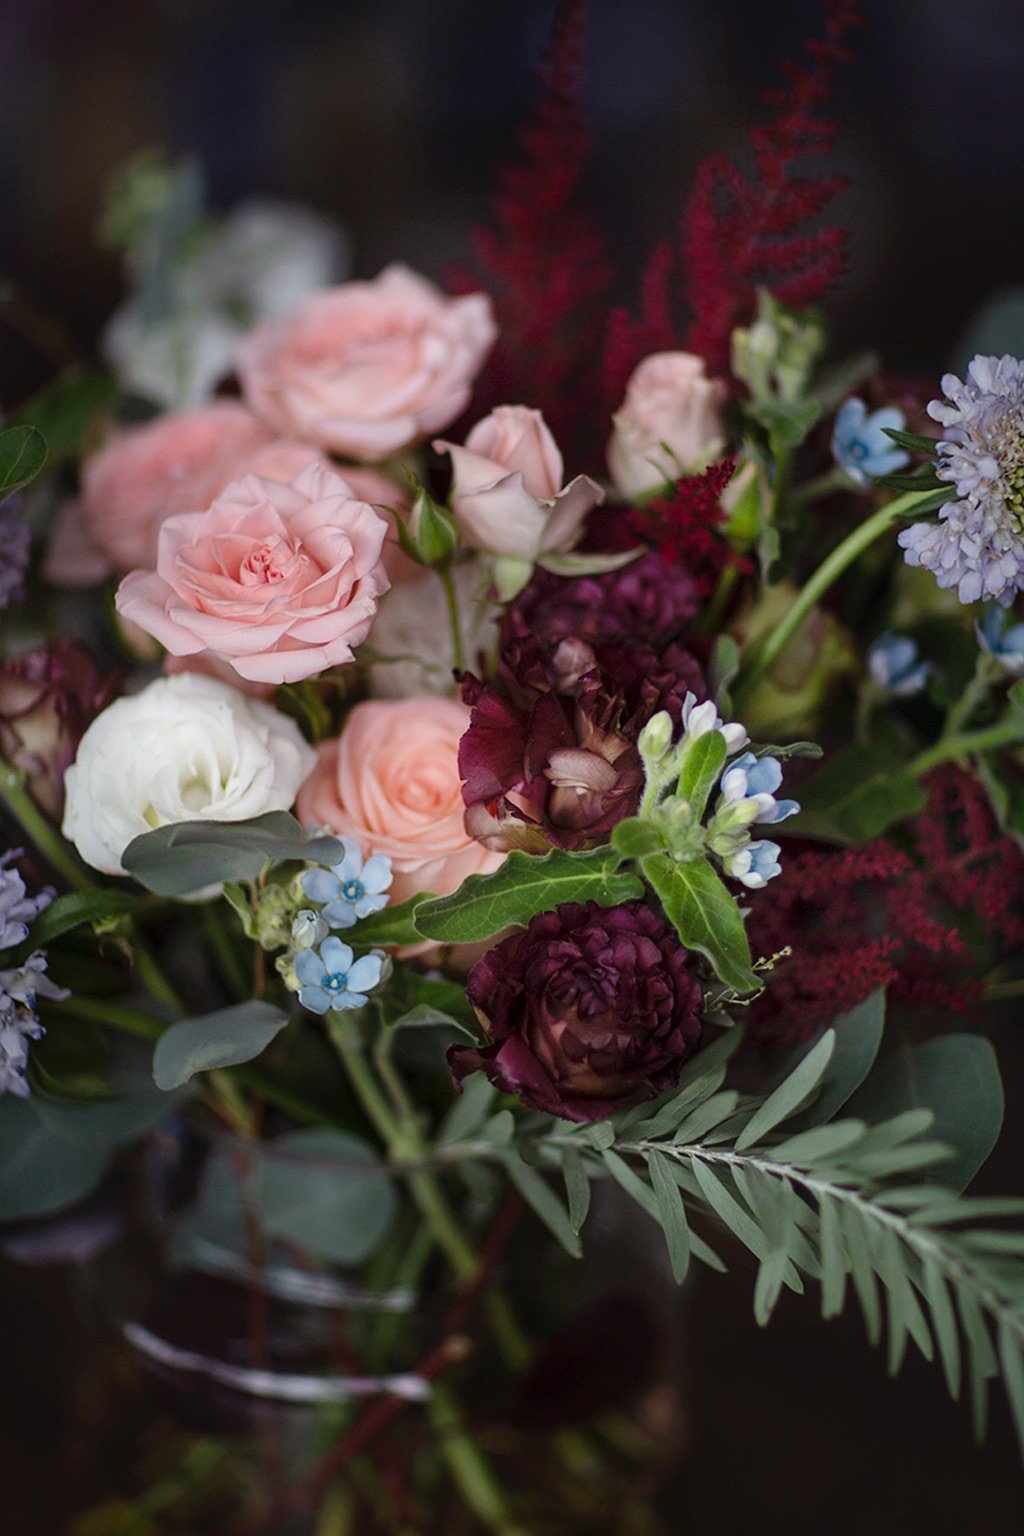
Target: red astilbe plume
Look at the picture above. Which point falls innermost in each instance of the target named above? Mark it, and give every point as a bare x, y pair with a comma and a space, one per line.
542, 258
684, 526
742, 230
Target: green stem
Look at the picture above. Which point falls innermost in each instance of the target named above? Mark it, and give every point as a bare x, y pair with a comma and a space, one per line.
42, 831
231, 968
468, 1467
863, 536
985, 673
444, 576
999, 989
1004, 733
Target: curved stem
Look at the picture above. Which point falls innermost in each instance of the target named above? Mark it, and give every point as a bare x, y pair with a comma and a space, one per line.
1004, 733
444, 576
831, 568
985, 672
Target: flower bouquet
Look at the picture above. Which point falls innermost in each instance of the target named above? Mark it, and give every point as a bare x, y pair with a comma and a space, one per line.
397, 694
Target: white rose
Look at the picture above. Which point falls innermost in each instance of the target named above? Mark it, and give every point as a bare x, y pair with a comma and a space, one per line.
669, 424
187, 748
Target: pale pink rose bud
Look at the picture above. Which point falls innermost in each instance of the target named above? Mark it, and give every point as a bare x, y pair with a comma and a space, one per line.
366, 369
507, 494
279, 581
669, 425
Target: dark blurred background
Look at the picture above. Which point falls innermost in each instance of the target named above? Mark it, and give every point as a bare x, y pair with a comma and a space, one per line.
391, 117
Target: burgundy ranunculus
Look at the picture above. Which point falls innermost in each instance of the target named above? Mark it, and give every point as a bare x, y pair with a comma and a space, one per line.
550, 756
647, 600
589, 1008
47, 700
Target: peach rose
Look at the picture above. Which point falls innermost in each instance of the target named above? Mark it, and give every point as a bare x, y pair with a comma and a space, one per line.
669, 425
281, 581
507, 494
143, 474
391, 781
368, 368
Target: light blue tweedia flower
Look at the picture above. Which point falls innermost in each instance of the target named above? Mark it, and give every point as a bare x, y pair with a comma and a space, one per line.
19, 1022
894, 665
860, 446
1002, 640
333, 979
751, 782
755, 864
15, 541
352, 889
977, 546
16, 908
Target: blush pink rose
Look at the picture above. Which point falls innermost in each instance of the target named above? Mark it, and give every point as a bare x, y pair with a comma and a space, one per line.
368, 368
507, 494
144, 474
280, 581
391, 781
670, 423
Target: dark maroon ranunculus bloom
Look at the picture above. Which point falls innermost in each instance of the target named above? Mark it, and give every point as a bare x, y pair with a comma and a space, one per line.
47, 700
550, 755
647, 600
589, 1008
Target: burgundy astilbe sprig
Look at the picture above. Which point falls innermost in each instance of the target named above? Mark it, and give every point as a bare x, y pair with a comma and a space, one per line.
542, 257
685, 526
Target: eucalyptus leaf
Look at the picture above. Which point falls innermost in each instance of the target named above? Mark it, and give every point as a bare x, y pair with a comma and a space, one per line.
326, 1190
220, 1039
704, 915
40, 1171
22, 455
190, 855
524, 885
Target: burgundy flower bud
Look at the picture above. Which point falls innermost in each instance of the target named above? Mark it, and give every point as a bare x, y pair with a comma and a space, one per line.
47, 700
588, 1009
647, 600
550, 756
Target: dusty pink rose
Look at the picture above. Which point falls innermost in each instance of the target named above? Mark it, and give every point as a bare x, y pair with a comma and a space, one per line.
281, 581
368, 368
391, 781
144, 474
507, 494
669, 425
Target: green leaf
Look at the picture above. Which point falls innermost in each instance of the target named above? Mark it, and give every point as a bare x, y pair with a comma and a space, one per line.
542, 1199
791, 1094
943, 1323
562, 563
22, 455
211, 1040
729, 1209
857, 1240
40, 1171
702, 764
633, 838
67, 408
704, 915
78, 907
392, 925
190, 855
915, 441
1013, 1375
957, 1078
577, 1187
855, 797
981, 1360
469, 1111
834, 1263
326, 1190
672, 1214
858, 1037
523, 886
628, 1179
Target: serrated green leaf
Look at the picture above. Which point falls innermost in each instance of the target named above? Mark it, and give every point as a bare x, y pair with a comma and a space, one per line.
223, 1038
791, 1094
702, 765
524, 885
704, 915
672, 1215
539, 1195
22, 455
577, 1187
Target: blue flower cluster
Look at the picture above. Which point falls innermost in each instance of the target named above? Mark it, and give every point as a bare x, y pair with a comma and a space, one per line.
329, 976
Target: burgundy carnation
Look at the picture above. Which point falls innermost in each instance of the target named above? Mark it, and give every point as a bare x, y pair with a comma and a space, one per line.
589, 1008
550, 755
647, 600
47, 700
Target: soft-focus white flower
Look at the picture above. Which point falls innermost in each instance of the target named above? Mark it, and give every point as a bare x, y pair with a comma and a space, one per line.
187, 748
412, 625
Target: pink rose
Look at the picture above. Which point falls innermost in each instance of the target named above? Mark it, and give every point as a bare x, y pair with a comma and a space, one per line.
281, 581
670, 423
143, 474
391, 781
507, 494
368, 368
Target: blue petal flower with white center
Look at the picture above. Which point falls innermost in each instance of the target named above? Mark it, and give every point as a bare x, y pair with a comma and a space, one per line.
332, 979
977, 545
894, 665
699, 719
860, 446
754, 865
756, 779
352, 889
1002, 640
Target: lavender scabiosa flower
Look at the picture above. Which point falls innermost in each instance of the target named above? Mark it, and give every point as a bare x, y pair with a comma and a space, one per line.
21, 985
15, 541
977, 545
17, 908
